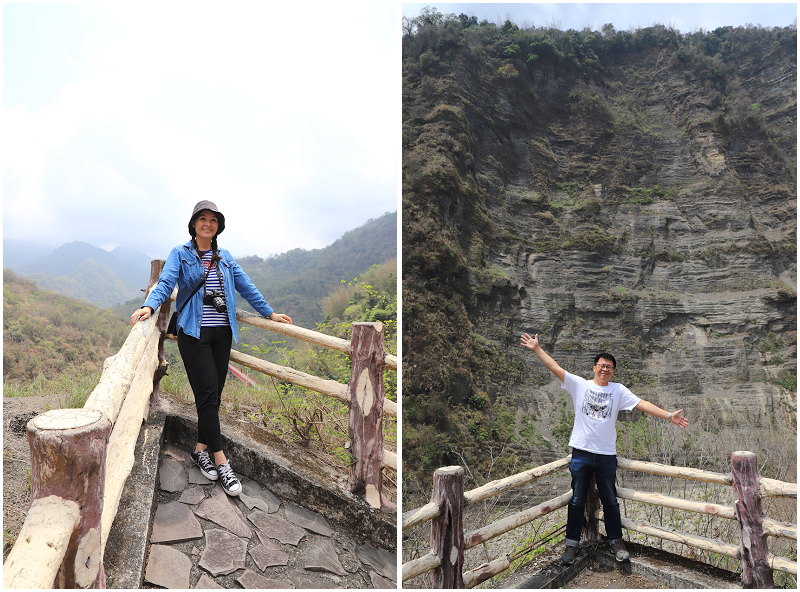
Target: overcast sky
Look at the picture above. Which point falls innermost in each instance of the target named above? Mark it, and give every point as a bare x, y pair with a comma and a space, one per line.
685, 17
118, 119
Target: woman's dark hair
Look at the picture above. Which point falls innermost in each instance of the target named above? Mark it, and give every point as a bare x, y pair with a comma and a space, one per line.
214, 255
605, 356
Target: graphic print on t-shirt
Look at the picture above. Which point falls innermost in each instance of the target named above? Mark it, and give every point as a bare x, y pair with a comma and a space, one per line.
597, 405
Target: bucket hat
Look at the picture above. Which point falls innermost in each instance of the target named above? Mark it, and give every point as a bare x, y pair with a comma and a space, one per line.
206, 205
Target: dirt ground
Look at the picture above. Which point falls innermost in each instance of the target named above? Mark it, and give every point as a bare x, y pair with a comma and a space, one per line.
16, 461
597, 577
594, 577
17, 411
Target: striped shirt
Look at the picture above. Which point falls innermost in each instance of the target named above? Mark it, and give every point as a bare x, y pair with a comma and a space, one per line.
211, 318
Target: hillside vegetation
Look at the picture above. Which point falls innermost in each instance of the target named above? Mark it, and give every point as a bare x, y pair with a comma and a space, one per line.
38, 322
295, 282
627, 191
46, 334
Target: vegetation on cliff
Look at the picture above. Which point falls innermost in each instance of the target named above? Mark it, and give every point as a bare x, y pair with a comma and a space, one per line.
633, 191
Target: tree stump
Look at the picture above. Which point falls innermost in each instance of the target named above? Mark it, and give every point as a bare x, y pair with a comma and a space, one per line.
367, 395
68, 454
591, 527
447, 530
753, 550
161, 324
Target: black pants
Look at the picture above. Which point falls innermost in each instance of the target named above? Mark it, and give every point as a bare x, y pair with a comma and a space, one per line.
206, 362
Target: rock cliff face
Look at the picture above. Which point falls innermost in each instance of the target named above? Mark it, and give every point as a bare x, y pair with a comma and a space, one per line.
648, 210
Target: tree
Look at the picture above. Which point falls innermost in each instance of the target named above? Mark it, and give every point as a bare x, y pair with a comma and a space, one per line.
468, 21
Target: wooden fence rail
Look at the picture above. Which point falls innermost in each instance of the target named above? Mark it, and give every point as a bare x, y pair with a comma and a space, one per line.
431, 510
757, 562
75, 493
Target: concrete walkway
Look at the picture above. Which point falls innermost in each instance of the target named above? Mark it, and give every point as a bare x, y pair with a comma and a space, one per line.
201, 538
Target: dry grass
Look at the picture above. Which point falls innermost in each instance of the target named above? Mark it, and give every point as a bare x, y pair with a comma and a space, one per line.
312, 420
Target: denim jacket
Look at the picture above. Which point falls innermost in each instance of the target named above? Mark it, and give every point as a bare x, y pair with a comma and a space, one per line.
185, 268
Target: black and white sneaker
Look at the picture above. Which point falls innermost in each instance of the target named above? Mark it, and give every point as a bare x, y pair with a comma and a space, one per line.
230, 483
203, 462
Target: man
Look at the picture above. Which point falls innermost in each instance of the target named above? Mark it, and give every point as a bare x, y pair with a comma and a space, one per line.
594, 436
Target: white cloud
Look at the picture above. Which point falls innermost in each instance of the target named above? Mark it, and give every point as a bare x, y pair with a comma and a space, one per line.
290, 124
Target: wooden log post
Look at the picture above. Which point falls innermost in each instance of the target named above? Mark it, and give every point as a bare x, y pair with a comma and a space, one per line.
447, 529
591, 527
161, 324
36, 557
488, 570
753, 550
367, 395
68, 460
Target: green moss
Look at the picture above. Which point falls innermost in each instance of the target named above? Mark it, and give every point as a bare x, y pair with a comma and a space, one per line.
643, 196
770, 344
786, 380
495, 272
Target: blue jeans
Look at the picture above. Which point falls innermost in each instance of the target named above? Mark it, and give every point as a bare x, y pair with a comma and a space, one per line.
604, 468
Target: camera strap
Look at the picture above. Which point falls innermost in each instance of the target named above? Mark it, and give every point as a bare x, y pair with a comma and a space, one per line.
210, 265
203, 281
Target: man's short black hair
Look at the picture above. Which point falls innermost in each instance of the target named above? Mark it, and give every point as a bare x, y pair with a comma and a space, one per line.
605, 356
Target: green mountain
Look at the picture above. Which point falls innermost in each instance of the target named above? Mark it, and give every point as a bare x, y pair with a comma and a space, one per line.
130, 267
49, 334
295, 282
81, 270
90, 281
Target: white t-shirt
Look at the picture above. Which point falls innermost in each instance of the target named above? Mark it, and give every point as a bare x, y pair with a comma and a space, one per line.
596, 409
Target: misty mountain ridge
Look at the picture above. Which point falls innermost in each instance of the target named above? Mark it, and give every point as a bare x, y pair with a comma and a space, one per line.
81, 270
17, 253
68, 258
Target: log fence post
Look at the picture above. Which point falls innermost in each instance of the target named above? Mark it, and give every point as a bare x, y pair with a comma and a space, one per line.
591, 528
367, 396
753, 550
161, 324
68, 460
447, 529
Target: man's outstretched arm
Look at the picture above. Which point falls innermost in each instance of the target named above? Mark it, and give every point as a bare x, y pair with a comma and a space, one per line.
675, 417
533, 344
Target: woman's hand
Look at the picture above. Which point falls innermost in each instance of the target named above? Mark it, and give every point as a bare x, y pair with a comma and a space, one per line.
280, 318
141, 314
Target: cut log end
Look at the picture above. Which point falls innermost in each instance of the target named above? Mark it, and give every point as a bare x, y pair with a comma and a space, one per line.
87, 559
365, 396
373, 496
446, 471
66, 419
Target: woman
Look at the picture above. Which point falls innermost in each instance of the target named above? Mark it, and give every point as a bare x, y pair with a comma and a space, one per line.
206, 327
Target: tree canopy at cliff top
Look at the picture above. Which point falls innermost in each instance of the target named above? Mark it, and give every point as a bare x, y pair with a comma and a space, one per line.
578, 51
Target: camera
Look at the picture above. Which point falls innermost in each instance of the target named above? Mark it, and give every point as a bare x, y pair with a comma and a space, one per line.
215, 299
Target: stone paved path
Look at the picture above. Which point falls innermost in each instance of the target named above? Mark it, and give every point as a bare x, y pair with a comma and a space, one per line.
201, 538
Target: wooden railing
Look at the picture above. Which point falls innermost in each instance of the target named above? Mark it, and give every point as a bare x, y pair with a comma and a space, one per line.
448, 500
75, 493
